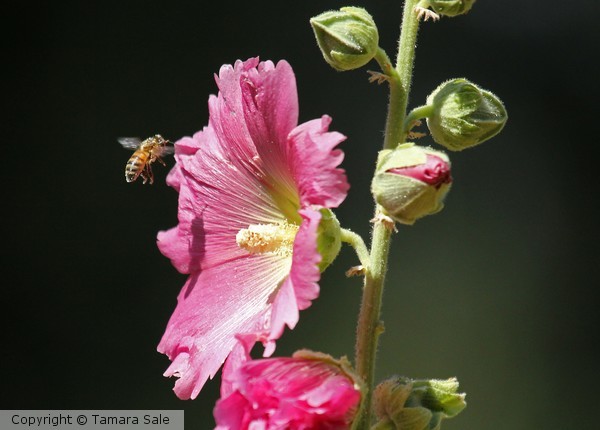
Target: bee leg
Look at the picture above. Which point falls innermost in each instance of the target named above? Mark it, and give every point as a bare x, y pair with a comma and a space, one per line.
160, 160
149, 173
145, 174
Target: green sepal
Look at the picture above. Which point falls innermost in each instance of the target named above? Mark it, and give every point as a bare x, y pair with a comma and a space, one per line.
413, 419
329, 240
438, 395
405, 155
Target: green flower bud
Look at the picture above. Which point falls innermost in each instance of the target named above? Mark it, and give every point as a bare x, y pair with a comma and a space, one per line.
348, 38
411, 182
406, 404
329, 240
464, 115
451, 7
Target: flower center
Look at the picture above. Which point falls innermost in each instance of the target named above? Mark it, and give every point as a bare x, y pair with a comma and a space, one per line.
268, 238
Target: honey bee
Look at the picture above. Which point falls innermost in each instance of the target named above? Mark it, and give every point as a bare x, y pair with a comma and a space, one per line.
146, 153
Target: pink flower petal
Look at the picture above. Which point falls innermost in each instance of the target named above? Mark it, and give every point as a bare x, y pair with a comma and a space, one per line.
239, 355
288, 393
315, 162
254, 112
236, 406
270, 104
435, 171
213, 307
300, 287
217, 199
305, 271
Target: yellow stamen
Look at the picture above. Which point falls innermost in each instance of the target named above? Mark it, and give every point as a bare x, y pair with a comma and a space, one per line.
268, 238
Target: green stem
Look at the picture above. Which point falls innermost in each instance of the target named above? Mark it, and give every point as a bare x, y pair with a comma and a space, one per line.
406, 55
369, 324
357, 242
384, 62
416, 114
400, 81
393, 126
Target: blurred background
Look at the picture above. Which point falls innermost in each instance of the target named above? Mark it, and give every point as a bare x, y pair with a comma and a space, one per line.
499, 289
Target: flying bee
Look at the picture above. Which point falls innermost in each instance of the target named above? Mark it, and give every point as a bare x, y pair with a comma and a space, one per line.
146, 153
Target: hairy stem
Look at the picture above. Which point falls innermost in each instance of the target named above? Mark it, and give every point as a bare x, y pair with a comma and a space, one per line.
357, 242
369, 324
406, 56
417, 114
384, 62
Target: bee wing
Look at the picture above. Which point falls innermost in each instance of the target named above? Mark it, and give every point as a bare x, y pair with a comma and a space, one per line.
130, 142
168, 150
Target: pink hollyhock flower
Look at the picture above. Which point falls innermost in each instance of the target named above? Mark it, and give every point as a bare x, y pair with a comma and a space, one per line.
250, 186
306, 391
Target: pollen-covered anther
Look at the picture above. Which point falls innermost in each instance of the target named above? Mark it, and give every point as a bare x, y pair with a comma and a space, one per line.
268, 238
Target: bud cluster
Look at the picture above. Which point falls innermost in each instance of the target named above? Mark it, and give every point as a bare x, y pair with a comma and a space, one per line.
417, 404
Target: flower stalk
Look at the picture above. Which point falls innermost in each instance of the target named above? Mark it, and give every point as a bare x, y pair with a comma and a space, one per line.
356, 241
417, 114
369, 325
406, 59
385, 63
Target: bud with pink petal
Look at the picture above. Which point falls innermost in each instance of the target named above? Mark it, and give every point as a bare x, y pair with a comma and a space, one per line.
411, 182
306, 391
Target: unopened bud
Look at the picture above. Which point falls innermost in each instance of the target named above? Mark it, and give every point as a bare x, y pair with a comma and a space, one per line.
451, 7
348, 38
411, 182
464, 115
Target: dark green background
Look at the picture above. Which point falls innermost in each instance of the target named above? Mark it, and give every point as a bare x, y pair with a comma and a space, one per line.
499, 289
